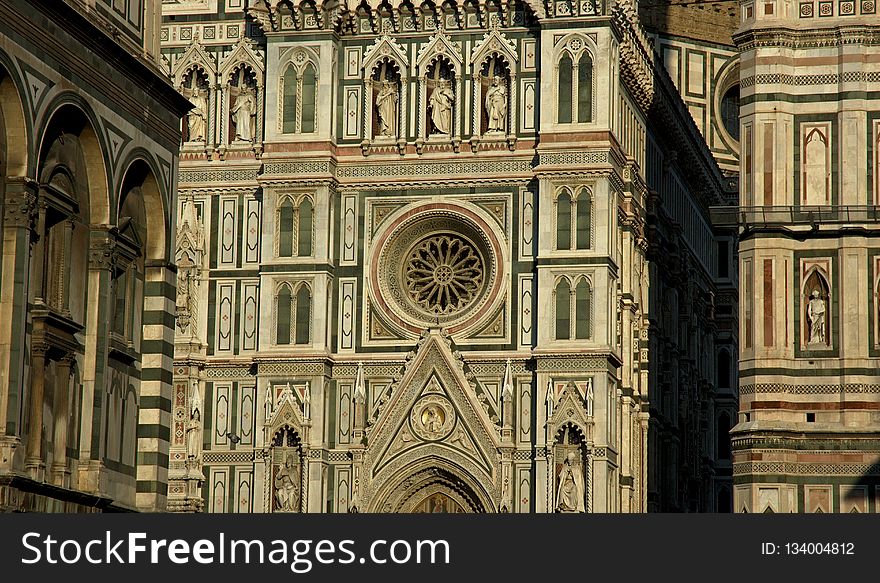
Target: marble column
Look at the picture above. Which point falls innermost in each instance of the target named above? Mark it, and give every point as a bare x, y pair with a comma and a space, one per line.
60, 474
34, 463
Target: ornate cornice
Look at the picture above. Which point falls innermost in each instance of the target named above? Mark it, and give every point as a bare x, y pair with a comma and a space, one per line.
784, 37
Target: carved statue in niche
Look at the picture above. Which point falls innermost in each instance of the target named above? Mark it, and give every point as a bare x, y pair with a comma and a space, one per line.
194, 424
242, 107
816, 316
441, 100
570, 492
385, 90
386, 105
190, 246
570, 484
187, 298
287, 485
285, 474
496, 105
196, 90
244, 115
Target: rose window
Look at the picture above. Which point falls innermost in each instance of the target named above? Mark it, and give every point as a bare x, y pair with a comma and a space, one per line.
436, 268
443, 274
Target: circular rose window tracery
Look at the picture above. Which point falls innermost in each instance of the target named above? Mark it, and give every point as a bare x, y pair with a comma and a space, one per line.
440, 265
443, 273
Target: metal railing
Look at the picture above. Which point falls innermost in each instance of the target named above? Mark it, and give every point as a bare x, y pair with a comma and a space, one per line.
814, 216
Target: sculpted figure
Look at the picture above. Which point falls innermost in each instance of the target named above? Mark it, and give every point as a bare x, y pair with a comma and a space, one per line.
433, 421
243, 113
286, 487
496, 105
194, 433
441, 107
570, 493
816, 315
197, 118
386, 104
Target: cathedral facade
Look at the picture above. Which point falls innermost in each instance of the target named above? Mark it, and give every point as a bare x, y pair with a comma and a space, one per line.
450, 258
89, 133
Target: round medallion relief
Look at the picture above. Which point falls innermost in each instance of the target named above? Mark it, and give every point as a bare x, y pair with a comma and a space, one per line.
436, 267
432, 418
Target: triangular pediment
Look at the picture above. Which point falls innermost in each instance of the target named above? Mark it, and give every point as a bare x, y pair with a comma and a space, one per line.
195, 56
284, 405
244, 52
494, 43
433, 409
383, 47
440, 45
569, 407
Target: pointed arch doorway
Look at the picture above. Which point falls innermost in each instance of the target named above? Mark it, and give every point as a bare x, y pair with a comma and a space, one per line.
433, 490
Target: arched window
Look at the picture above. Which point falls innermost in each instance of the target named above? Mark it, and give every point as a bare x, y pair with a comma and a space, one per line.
584, 219
283, 316
299, 99
723, 370
563, 310
730, 111
285, 229
563, 220
724, 436
309, 89
304, 229
582, 310
585, 89
303, 314
291, 82
565, 90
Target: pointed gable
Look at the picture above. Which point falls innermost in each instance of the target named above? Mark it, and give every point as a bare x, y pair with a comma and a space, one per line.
434, 409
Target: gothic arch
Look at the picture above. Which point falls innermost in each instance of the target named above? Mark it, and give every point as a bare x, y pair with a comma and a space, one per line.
242, 55
386, 48
432, 474
439, 51
13, 129
195, 57
141, 172
494, 43
494, 56
385, 60
70, 114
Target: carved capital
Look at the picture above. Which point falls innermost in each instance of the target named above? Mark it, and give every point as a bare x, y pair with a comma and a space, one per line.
102, 253
20, 204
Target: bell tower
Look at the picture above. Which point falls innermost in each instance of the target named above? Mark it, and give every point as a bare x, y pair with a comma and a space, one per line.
809, 257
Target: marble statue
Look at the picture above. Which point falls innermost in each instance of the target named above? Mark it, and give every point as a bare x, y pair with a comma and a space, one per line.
441, 102
194, 423
816, 316
243, 114
197, 118
433, 422
286, 487
570, 494
496, 105
386, 104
